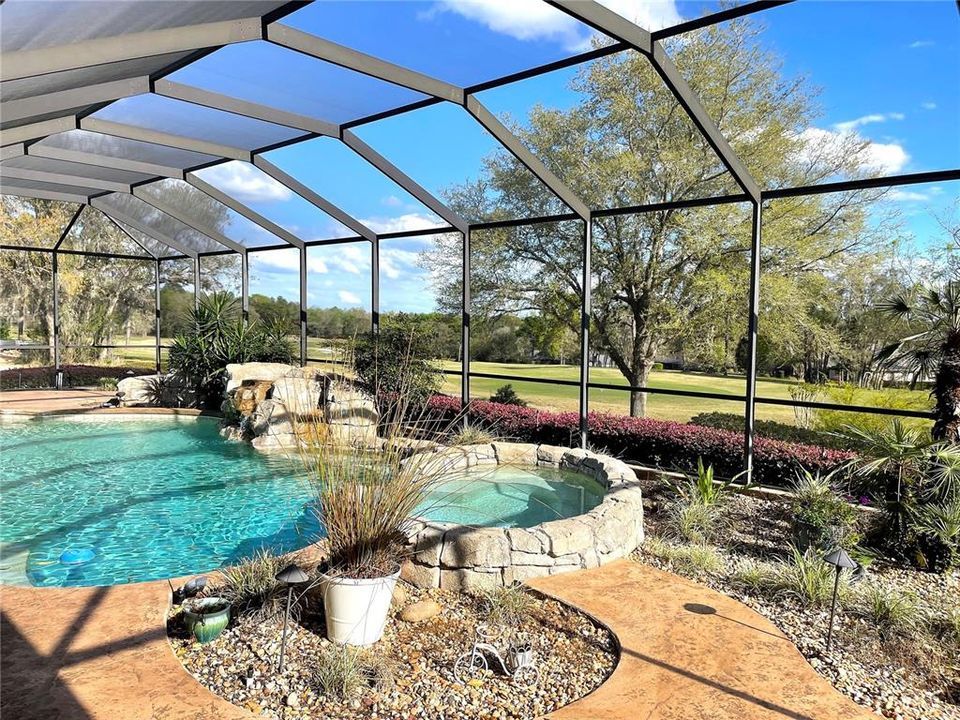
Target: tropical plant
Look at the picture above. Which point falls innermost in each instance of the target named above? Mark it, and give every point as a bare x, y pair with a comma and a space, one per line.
702, 489
107, 383
506, 395
932, 349
936, 526
821, 518
913, 472
218, 337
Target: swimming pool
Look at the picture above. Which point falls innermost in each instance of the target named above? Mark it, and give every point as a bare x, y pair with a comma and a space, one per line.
104, 501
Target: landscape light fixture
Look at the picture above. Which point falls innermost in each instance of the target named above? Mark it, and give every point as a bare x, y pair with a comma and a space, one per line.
291, 575
840, 560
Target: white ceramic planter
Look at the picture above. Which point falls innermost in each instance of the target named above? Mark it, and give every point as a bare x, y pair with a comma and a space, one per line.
357, 609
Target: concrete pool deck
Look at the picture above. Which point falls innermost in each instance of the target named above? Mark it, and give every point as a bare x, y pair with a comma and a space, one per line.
73, 401
687, 653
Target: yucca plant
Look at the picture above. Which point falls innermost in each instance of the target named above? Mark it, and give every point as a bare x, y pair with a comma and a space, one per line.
807, 578
702, 489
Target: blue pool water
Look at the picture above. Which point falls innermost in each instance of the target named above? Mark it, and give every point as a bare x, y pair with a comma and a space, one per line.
107, 501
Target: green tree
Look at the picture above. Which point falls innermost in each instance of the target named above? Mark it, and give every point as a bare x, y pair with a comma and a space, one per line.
661, 277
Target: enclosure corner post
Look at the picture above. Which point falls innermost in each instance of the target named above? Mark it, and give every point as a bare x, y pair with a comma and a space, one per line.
245, 285
752, 330
375, 285
303, 305
156, 312
196, 281
56, 318
465, 302
585, 312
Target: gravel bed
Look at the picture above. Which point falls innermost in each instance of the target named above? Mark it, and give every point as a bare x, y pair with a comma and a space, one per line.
910, 678
415, 663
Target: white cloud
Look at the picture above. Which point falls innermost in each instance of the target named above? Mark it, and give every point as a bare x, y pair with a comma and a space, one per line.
929, 105
874, 157
402, 223
535, 20
906, 196
392, 201
245, 183
921, 44
851, 125
349, 298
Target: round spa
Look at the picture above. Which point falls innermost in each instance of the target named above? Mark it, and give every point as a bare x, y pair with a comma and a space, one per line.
112, 499
593, 514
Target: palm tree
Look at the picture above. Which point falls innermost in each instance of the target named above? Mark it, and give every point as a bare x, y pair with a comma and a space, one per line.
933, 349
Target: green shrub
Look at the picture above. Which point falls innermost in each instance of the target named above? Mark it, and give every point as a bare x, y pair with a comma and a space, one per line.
770, 429
894, 398
251, 586
657, 367
892, 613
506, 395
6, 330
821, 517
399, 356
107, 383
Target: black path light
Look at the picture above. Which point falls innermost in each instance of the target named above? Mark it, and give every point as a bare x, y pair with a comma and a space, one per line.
840, 560
291, 575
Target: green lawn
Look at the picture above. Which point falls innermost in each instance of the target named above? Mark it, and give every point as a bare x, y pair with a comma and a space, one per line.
666, 407
560, 397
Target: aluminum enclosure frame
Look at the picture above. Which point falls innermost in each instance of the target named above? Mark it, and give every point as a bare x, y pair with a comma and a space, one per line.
57, 112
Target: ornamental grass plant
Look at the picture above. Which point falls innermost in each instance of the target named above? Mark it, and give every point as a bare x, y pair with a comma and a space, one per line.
369, 482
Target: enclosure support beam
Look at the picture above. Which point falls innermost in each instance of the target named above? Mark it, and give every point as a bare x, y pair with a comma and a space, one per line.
375, 285
752, 329
245, 285
303, 305
56, 320
196, 282
69, 227
586, 309
156, 312
465, 303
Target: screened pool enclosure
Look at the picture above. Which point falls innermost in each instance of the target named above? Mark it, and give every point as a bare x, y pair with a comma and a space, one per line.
137, 115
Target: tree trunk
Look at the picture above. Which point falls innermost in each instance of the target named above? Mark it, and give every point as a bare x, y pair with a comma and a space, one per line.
946, 391
638, 400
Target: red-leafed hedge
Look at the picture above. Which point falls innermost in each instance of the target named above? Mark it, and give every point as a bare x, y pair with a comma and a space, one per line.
660, 443
73, 376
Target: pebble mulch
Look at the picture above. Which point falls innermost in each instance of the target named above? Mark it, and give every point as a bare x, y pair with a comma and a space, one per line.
575, 656
912, 678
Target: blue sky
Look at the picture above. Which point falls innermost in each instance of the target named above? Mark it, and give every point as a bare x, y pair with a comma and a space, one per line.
888, 71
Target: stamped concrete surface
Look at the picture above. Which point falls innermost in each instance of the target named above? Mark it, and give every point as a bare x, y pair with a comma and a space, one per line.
75, 401
689, 653
98, 652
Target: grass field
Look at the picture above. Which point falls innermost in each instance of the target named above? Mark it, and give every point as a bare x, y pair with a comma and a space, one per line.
560, 397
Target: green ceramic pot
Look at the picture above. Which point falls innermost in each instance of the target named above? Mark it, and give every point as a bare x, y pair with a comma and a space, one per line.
206, 618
